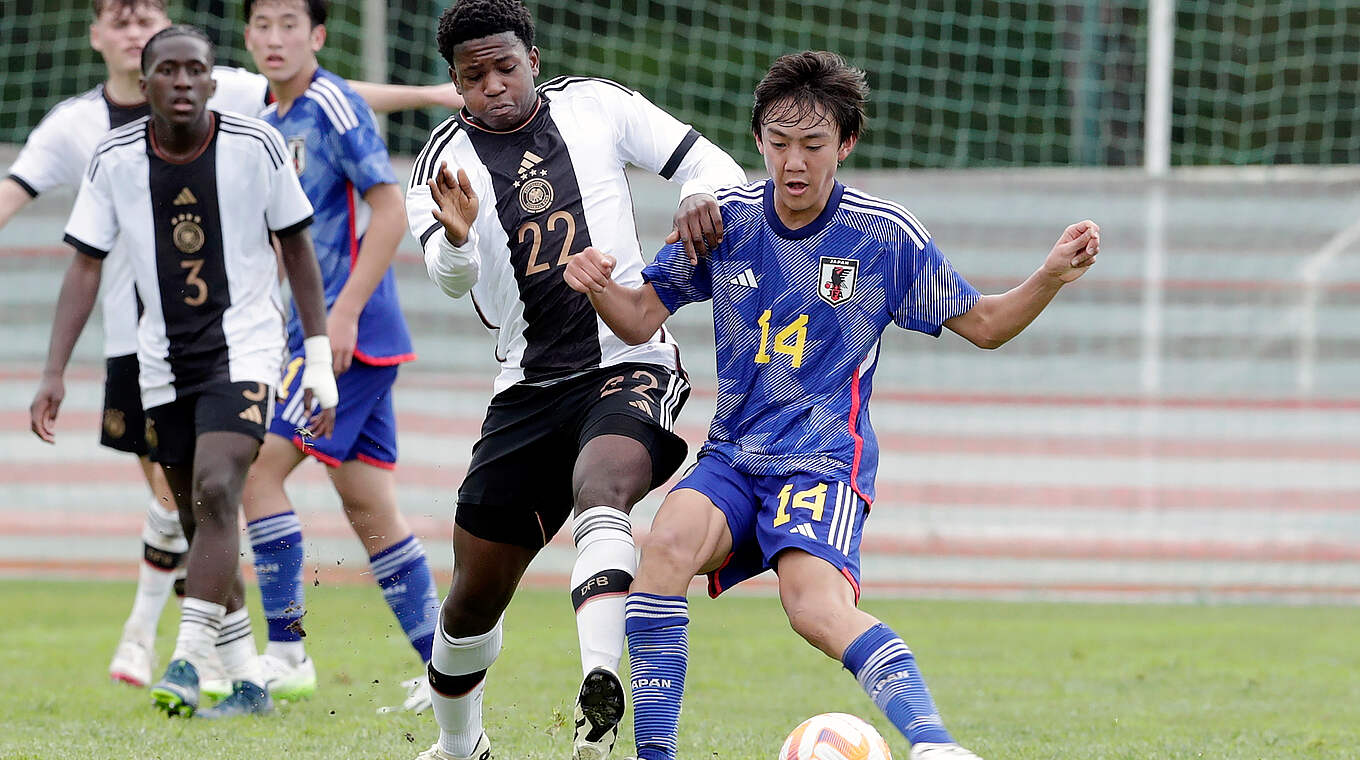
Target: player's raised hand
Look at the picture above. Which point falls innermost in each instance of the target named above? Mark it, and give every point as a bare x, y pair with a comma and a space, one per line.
42, 413
589, 271
455, 201
1075, 251
698, 223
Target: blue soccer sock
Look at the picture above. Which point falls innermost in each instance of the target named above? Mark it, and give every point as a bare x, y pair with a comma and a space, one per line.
658, 653
885, 667
277, 543
403, 574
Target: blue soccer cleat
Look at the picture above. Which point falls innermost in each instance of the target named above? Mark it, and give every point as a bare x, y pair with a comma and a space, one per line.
177, 691
246, 698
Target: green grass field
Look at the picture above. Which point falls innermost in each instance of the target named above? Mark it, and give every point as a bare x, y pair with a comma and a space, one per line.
1013, 681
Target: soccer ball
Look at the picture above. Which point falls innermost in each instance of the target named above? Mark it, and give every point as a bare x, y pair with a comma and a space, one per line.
834, 736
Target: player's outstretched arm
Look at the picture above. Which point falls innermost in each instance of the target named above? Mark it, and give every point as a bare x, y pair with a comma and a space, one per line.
385, 98
995, 319
304, 280
375, 256
13, 197
634, 314
78, 291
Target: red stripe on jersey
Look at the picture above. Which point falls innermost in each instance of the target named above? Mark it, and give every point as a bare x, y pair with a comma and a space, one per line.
846, 572
859, 447
353, 238
366, 459
311, 450
383, 361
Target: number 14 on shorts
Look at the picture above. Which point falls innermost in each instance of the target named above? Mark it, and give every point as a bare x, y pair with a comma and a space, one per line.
812, 500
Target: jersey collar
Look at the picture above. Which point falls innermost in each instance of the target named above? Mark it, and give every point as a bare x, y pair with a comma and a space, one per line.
833, 202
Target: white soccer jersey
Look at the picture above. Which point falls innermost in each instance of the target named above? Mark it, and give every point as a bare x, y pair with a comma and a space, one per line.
58, 150
547, 190
196, 235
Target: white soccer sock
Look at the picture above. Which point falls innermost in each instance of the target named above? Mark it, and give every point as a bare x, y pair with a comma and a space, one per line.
605, 563
163, 549
199, 623
460, 716
291, 652
236, 648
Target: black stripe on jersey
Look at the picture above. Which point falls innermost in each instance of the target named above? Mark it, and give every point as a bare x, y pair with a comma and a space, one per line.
130, 134
294, 229
681, 151
538, 202
247, 129
32, 192
86, 248
425, 236
191, 267
426, 167
123, 115
561, 83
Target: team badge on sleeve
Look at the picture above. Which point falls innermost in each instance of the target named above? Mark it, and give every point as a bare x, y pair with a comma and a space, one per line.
837, 282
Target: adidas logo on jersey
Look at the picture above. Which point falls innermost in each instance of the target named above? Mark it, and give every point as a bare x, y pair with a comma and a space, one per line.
642, 406
185, 198
252, 414
529, 161
746, 279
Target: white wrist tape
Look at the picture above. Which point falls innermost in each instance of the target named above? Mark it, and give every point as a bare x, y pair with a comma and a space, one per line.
317, 375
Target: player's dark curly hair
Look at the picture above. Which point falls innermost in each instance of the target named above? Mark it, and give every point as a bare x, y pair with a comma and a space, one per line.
799, 83
174, 30
473, 19
316, 10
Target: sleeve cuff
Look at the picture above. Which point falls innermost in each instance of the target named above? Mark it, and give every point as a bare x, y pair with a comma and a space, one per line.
31, 190
294, 229
85, 248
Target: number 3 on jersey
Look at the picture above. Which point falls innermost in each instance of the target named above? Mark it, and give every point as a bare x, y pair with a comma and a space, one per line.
789, 340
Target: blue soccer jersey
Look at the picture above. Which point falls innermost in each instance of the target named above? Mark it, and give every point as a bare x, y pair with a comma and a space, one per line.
333, 138
797, 318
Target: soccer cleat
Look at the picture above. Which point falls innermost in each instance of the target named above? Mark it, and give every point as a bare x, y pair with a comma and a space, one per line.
213, 682
286, 680
599, 708
133, 661
177, 691
246, 699
940, 751
481, 752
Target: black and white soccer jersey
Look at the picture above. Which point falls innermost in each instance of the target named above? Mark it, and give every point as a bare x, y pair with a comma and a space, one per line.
58, 151
196, 235
548, 190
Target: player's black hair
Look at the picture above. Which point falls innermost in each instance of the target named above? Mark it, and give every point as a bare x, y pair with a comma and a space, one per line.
316, 9
473, 19
98, 6
175, 30
799, 83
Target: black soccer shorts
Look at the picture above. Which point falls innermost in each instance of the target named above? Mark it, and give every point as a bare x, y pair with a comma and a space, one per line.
123, 423
172, 429
518, 487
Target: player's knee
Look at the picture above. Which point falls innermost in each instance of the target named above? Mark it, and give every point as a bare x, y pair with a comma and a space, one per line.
620, 493
668, 553
811, 616
215, 494
463, 615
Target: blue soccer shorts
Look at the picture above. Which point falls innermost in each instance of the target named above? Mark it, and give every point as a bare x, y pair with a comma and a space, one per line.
365, 423
817, 513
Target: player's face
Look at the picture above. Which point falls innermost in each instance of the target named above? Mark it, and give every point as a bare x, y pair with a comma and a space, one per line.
801, 157
282, 40
495, 76
179, 80
120, 32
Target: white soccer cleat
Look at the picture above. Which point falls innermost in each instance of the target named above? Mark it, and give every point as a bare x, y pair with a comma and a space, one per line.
599, 709
213, 682
286, 680
133, 661
417, 694
940, 751
481, 752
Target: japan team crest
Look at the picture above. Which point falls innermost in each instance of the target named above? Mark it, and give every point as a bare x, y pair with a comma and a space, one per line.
298, 147
836, 285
